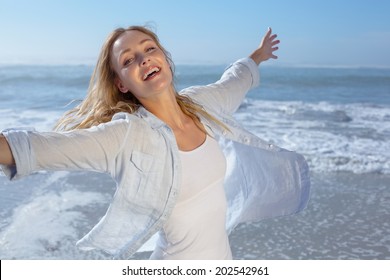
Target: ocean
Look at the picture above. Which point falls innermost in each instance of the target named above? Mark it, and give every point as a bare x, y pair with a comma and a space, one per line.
338, 118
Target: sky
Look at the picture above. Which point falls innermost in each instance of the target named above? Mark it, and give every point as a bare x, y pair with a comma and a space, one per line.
312, 33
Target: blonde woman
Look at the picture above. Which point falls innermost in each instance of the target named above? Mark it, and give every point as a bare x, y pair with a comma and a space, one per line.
185, 169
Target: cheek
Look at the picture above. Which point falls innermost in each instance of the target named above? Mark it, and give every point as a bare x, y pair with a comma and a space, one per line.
128, 79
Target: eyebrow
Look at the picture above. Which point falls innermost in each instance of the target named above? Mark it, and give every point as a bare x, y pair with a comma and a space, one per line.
129, 49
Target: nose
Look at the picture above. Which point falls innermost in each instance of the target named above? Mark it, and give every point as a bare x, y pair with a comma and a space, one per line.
145, 60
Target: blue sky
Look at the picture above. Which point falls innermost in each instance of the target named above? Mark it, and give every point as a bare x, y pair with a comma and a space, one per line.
328, 32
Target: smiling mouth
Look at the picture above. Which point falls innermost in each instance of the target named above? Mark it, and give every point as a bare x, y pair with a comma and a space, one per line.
151, 73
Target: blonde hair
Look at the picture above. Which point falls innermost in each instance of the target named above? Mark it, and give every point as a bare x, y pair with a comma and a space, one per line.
104, 99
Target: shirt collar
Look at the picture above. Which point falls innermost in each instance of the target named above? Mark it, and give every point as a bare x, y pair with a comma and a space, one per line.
150, 118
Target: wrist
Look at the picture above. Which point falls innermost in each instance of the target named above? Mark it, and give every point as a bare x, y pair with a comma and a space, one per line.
257, 56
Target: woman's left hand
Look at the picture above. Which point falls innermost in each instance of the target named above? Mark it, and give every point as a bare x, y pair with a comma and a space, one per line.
266, 48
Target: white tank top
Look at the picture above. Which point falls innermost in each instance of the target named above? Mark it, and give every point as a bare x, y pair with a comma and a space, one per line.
196, 228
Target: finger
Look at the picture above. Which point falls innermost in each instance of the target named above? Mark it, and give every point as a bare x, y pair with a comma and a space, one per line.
274, 39
275, 43
269, 32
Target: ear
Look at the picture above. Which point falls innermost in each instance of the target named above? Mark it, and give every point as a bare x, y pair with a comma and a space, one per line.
120, 85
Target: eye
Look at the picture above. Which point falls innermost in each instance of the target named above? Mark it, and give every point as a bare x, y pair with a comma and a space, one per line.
150, 49
128, 61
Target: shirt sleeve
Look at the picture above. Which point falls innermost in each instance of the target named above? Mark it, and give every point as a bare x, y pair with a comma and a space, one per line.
83, 149
229, 91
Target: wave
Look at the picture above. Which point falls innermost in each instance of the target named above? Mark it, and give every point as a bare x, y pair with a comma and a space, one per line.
61, 209
333, 137
27, 80
42, 76
41, 120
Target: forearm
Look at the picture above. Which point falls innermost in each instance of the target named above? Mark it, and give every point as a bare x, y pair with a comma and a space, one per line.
6, 157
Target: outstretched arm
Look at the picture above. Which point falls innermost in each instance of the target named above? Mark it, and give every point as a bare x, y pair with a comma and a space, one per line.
23, 152
266, 49
6, 157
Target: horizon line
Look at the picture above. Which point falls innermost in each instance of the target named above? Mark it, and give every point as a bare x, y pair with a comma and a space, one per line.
277, 65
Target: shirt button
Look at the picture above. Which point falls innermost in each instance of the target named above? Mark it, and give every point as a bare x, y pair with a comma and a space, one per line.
224, 132
246, 140
271, 146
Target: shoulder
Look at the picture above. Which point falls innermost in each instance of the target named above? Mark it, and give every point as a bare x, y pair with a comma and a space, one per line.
134, 122
128, 119
120, 123
124, 117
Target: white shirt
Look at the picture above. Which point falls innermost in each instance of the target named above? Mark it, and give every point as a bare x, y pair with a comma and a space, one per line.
196, 227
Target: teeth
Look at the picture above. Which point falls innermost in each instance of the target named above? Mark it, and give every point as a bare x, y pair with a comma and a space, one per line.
152, 70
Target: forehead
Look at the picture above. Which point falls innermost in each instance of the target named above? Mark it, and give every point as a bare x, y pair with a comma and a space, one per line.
129, 39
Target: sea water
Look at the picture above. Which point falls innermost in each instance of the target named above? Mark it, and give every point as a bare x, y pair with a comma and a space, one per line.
338, 118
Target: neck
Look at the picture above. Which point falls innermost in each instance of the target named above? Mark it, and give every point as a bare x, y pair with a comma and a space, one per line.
166, 108
188, 133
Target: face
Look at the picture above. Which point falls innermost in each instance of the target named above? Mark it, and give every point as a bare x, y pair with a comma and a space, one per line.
141, 66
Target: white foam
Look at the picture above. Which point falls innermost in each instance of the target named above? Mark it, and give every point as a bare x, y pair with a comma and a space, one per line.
47, 226
333, 137
41, 120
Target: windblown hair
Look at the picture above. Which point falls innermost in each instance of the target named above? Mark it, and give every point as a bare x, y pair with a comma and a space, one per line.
104, 99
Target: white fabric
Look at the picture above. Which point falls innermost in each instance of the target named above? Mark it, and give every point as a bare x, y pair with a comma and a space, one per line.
196, 228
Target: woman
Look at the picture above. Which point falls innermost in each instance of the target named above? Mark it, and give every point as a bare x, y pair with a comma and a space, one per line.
185, 169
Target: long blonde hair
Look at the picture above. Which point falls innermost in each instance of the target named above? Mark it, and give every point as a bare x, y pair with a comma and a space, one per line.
104, 99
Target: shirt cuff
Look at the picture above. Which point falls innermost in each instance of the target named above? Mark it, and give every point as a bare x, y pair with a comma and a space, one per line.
18, 140
253, 68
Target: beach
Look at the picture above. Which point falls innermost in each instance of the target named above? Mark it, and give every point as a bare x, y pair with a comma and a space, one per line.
338, 118
346, 218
